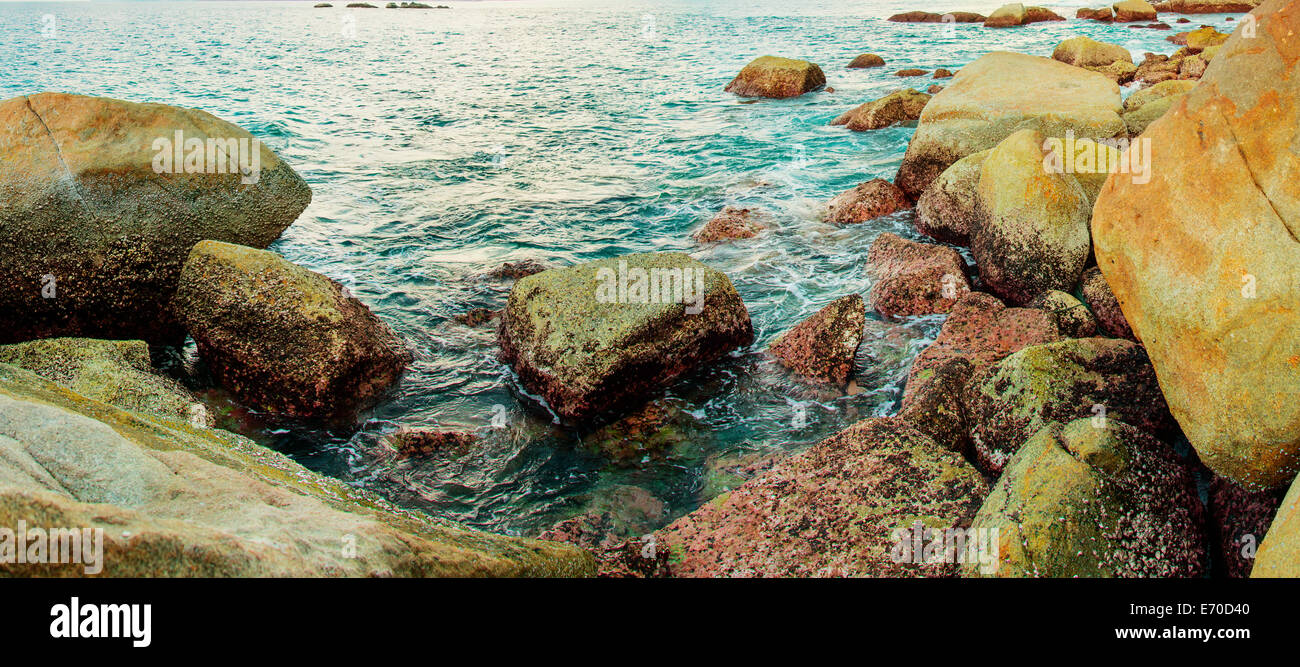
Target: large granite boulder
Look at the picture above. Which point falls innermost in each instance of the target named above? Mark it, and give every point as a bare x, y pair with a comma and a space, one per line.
948, 209
1032, 232
897, 107
1083, 51
176, 500
772, 76
1204, 259
1103, 379
282, 338
911, 278
1130, 11
1082, 501
1279, 553
599, 335
103, 200
824, 346
845, 507
989, 100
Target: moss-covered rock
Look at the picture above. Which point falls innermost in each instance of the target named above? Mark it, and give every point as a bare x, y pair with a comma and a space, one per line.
772, 76
283, 338
1081, 501
1104, 379
1132, 11
1141, 118
178, 500
117, 372
1083, 51
1160, 90
95, 226
1032, 233
897, 107
599, 335
1070, 315
823, 346
948, 209
834, 510
1101, 301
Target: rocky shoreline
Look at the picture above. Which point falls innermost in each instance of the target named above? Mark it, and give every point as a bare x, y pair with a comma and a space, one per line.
1125, 332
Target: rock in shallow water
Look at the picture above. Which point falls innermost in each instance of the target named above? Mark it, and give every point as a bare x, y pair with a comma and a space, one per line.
1204, 259
175, 500
99, 215
731, 223
914, 278
867, 60
282, 338
897, 107
867, 201
835, 510
771, 76
596, 336
823, 346
1081, 501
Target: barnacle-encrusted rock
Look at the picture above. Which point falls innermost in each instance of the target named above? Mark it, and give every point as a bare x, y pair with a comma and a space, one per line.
822, 347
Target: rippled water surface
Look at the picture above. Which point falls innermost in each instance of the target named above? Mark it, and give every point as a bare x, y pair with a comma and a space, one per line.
441, 143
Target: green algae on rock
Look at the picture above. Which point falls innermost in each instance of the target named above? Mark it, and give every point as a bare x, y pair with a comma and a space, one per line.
117, 372
1070, 315
283, 338
1082, 501
772, 76
177, 500
835, 510
95, 228
1104, 379
599, 335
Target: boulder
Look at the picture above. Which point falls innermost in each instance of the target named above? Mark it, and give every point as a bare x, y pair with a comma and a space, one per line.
1104, 14
174, 500
731, 223
988, 100
1139, 119
947, 210
1120, 72
867, 60
1006, 16
823, 346
943, 73
516, 270
1069, 314
116, 372
1239, 520
911, 278
1130, 11
1279, 553
1204, 259
1081, 501
867, 201
1103, 379
99, 215
424, 442
1032, 231
282, 338
911, 71
771, 76
1161, 90
897, 107
1101, 301
917, 17
936, 404
1211, 6
1200, 39
845, 507
599, 335
1084, 51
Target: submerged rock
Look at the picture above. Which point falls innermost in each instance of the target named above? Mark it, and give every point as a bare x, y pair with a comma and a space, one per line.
282, 338
867, 201
424, 442
1204, 261
842, 508
598, 335
731, 223
116, 372
175, 500
103, 200
913, 278
1081, 501
823, 346
1103, 379
949, 208
897, 107
867, 60
516, 270
1032, 234
476, 316
988, 101
911, 71
771, 76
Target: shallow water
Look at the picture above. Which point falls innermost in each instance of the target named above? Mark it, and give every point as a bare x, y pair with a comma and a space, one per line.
441, 143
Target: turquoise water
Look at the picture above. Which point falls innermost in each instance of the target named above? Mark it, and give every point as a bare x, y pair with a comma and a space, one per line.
441, 143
